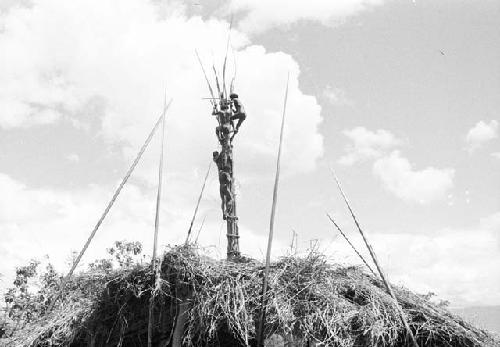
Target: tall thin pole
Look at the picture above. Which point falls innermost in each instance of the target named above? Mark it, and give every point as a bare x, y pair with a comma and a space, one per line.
198, 203
200, 228
206, 79
110, 204
350, 244
377, 265
260, 332
224, 91
155, 264
233, 234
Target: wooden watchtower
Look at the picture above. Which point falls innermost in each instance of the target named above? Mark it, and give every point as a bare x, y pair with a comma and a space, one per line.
225, 165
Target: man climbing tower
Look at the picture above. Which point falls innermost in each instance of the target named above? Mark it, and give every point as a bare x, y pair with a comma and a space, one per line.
224, 111
225, 191
238, 111
225, 125
223, 160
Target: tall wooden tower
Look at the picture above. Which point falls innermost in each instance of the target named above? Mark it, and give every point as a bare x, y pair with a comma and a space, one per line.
225, 165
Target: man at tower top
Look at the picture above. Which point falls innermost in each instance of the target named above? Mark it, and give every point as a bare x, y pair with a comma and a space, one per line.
238, 111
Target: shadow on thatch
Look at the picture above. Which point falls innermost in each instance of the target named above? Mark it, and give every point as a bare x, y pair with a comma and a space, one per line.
311, 302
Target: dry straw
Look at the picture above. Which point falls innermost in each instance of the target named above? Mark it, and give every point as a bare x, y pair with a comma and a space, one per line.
308, 299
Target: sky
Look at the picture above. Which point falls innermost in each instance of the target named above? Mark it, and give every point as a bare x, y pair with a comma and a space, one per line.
400, 98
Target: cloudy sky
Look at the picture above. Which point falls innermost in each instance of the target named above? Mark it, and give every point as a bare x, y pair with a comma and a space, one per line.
400, 97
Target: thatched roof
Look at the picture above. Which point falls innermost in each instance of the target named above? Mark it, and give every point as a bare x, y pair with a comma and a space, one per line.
309, 299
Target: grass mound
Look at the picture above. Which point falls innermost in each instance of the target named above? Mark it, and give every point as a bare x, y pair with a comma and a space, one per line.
309, 301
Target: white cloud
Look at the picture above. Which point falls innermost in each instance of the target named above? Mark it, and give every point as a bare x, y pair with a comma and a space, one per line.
367, 144
395, 171
57, 56
492, 222
262, 15
18, 204
73, 157
421, 186
336, 96
39, 222
458, 264
496, 155
481, 133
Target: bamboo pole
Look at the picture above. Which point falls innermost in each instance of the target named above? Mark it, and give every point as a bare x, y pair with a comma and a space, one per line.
224, 91
155, 264
232, 234
260, 332
206, 79
110, 204
200, 228
350, 244
198, 203
377, 265
217, 81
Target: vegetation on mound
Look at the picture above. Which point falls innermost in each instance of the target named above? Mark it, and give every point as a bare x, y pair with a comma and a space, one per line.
309, 300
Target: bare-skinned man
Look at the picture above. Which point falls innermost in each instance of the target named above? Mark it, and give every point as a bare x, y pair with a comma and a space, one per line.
224, 168
238, 111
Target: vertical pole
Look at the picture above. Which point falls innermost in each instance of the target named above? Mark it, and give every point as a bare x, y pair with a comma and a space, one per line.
262, 318
233, 248
233, 241
155, 264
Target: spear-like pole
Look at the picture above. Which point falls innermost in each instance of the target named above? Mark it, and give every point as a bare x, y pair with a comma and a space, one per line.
262, 318
225, 59
198, 203
200, 228
108, 207
350, 244
206, 79
155, 264
377, 265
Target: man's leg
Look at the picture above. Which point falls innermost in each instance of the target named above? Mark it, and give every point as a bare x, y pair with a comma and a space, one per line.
229, 200
240, 117
229, 207
223, 203
218, 132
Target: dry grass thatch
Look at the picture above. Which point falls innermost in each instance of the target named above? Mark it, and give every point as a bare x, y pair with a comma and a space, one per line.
309, 299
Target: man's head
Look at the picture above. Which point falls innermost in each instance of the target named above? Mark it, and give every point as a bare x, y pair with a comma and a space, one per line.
233, 96
215, 154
